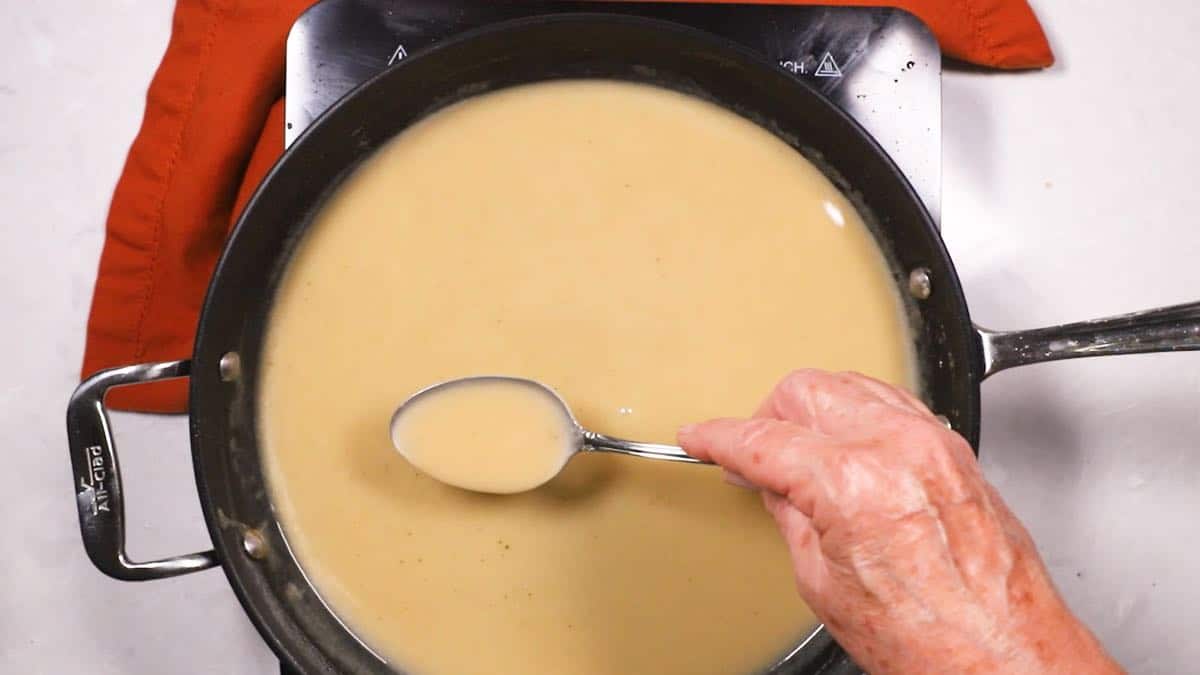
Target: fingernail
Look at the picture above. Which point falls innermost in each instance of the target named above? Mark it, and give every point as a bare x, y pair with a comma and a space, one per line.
688, 429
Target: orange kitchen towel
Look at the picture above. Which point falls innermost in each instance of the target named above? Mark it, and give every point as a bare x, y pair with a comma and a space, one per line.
213, 127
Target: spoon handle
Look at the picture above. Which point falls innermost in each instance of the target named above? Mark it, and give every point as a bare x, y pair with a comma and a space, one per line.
601, 443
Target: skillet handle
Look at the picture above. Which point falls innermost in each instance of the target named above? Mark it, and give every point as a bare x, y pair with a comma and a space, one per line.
1170, 329
98, 478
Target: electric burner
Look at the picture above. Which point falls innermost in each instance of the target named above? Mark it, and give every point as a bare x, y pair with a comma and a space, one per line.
880, 65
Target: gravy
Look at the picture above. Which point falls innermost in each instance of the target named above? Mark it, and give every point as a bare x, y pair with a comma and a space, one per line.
654, 258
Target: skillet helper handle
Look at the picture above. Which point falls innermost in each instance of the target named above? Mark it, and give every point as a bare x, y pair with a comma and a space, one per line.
1170, 329
98, 477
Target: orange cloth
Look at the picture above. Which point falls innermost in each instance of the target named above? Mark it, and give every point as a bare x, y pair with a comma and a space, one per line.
213, 127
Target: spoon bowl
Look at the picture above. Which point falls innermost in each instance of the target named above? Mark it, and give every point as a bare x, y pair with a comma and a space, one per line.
501, 434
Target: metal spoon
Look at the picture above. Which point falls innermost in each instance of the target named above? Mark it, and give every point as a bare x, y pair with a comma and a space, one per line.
581, 440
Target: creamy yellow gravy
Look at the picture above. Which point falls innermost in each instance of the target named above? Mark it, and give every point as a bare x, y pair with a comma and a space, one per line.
494, 435
654, 258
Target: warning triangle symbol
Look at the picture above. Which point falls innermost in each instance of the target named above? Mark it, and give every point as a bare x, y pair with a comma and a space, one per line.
828, 67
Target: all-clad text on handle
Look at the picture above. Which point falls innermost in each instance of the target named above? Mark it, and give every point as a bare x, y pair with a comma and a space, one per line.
97, 477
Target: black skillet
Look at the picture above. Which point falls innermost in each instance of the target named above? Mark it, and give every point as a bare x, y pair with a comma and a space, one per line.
224, 370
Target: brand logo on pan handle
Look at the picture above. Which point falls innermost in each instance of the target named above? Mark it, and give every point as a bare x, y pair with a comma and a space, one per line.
92, 488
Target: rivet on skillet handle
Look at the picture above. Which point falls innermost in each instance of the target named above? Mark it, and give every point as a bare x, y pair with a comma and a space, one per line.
1170, 329
97, 482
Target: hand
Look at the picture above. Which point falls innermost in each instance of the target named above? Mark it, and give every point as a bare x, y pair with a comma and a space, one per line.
910, 558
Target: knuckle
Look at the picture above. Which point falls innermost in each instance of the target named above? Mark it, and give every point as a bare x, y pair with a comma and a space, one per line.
922, 436
846, 377
802, 374
805, 379
935, 456
856, 483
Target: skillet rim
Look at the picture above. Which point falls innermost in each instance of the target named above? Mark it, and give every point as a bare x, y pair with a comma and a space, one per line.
211, 399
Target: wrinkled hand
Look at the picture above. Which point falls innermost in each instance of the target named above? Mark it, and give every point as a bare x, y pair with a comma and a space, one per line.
903, 550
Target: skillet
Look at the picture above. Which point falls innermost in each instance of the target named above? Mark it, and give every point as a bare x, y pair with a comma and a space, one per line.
955, 355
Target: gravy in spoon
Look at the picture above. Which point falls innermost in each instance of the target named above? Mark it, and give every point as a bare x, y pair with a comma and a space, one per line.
490, 435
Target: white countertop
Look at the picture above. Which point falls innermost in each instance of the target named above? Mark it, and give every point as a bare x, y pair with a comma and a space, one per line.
1070, 194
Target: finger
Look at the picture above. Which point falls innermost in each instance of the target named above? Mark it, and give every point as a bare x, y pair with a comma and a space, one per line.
771, 454
737, 481
808, 391
835, 403
897, 396
804, 545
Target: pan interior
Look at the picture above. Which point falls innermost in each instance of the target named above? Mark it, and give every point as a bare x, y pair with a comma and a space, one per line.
655, 258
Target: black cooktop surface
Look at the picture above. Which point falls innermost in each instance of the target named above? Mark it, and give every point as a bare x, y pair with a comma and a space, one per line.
880, 65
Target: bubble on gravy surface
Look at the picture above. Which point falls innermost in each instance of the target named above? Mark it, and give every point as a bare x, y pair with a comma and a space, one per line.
488, 435
655, 259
